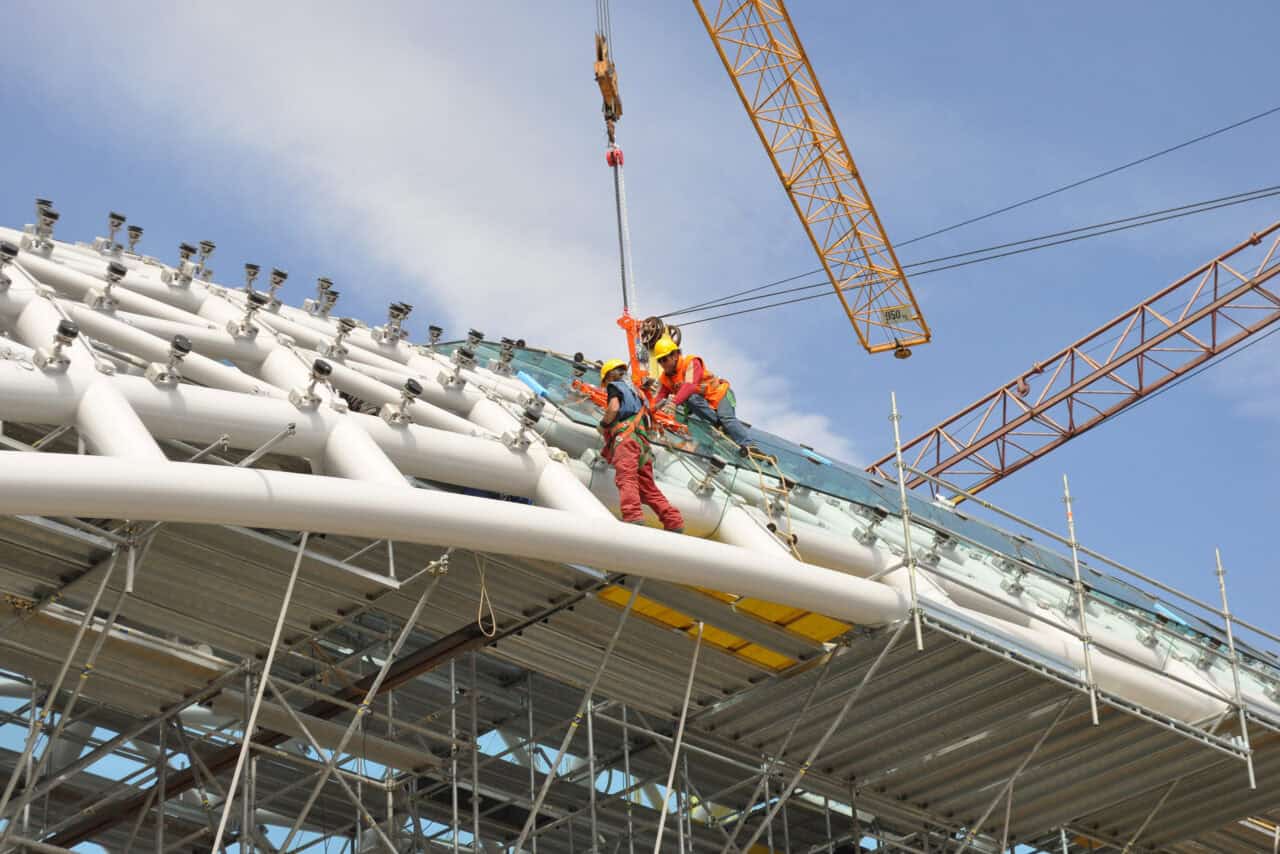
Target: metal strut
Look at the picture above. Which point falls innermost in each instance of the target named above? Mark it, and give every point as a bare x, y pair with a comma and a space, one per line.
614, 158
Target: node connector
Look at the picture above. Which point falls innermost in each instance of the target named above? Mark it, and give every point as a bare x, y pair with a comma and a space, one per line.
135, 237
8, 252
529, 418
337, 348
393, 331
1012, 583
206, 250
327, 303
474, 338
463, 358
276, 282
55, 360
251, 272
186, 269
170, 375
314, 304
100, 299
306, 398
398, 416
433, 336
507, 352
255, 301
46, 218
533, 412
114, 223
706, 486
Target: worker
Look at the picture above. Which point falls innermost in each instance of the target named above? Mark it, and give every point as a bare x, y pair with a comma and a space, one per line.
686, 380
627, 447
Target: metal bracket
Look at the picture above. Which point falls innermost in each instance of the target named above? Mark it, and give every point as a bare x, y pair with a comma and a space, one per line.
51, 361
394, 415
99, 300
516, 441
160, 375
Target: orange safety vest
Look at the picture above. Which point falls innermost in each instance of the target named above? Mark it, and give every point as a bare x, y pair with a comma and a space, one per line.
713, 388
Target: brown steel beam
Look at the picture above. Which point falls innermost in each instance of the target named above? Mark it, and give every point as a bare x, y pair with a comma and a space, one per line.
1164, 337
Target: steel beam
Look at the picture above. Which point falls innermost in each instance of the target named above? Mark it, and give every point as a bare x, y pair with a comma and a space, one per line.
1164, 337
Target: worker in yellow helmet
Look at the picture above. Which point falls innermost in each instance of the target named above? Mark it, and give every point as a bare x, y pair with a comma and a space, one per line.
653, 331
626, 445
685, 379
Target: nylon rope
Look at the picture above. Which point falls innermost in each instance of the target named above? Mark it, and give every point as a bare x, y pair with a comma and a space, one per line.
484, 602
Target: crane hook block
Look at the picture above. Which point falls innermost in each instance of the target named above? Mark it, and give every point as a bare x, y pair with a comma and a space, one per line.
613, 156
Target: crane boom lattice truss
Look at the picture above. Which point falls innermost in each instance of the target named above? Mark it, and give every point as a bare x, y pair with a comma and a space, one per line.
771, 72
1166, 336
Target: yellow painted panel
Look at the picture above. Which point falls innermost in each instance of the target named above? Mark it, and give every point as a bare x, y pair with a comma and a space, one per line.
717, 637
766, 657
818, 627
771, 611
720, 638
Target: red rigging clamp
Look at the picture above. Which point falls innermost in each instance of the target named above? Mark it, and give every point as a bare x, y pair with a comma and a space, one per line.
613, 156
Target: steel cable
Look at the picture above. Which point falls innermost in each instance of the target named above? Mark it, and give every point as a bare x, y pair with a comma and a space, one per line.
1041, 242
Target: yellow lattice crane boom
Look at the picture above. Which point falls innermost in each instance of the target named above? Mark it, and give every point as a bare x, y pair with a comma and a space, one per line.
767, 63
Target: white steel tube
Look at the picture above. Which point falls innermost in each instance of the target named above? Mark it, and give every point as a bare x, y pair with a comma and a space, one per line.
105, 419
181, 492
154, 346
202, 415
76, 284
205, 336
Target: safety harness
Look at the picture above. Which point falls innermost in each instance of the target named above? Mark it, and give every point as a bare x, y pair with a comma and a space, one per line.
633, 426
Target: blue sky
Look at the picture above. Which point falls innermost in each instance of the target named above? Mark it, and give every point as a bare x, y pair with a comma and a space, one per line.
451, 155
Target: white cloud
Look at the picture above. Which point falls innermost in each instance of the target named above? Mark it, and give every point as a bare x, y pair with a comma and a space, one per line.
1252, 382
458, 165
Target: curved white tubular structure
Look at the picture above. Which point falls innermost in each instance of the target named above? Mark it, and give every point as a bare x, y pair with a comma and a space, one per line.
183, 492
466, 431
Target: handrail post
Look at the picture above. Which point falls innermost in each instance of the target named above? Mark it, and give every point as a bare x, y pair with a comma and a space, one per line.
1081, 616
1237, 696
908, 552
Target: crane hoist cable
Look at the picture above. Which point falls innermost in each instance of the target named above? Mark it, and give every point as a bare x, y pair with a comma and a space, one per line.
606, 76
988, 253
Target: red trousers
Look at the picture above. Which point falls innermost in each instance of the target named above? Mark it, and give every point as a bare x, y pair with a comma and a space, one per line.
635, 485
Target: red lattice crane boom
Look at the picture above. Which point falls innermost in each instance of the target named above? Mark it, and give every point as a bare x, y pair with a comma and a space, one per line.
1166, 336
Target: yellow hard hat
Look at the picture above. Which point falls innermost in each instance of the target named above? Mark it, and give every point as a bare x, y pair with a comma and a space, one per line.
665, 347
609, 366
